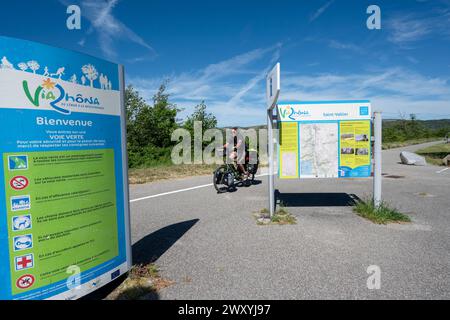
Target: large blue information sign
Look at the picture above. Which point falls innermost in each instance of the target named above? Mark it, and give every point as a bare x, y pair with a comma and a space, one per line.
64, 214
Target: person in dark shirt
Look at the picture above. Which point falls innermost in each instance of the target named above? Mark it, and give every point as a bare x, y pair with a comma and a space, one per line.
238, 152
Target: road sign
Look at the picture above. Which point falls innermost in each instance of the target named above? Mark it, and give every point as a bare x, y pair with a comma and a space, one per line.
273, 86
24, 262
20, 203
65, 165
19, 183
20, 223
17, 162
25, 282
24, 242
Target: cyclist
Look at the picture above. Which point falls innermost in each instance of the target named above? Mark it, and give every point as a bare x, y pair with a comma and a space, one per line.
238, 153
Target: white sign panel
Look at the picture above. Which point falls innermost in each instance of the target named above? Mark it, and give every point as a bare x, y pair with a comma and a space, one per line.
325, 111
273, 86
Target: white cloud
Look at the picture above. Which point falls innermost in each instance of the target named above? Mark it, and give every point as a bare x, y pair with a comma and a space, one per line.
344, 46
250, 84
108, 28
412, 60
233, 89
408, 28
394, 91
320, 11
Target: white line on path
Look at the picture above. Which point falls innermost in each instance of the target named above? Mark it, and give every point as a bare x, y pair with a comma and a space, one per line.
440, 171
178, 191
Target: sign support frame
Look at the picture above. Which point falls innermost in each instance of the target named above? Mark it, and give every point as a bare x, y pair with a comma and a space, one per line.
271, 164
273, 93
272, 99
126, 200
377, 151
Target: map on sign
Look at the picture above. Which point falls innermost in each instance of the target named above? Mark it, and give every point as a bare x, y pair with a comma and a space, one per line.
324, 139
319, 150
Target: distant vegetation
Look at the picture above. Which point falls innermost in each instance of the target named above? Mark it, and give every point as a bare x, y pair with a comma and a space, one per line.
414, 129
149, 127
406, 131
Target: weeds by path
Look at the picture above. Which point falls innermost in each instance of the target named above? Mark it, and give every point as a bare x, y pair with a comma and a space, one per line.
281, 217
143, 283
380, 215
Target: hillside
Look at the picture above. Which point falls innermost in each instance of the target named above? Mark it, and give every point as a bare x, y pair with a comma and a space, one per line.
429, 124
433, 125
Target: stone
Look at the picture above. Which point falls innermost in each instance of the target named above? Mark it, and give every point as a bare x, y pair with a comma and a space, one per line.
411, 158
446, 160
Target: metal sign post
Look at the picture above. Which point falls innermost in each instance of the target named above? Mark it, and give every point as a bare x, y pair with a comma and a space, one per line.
273, 92
270, 159
377, 126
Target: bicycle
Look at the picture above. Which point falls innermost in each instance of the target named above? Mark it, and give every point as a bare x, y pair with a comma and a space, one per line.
225, 176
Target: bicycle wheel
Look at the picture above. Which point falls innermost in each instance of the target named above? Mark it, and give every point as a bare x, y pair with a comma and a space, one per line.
252, 169
218, 179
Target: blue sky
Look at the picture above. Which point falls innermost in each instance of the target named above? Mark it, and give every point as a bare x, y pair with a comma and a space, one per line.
220, 51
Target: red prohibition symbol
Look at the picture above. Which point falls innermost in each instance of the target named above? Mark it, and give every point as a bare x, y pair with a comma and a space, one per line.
26, 281
19, 183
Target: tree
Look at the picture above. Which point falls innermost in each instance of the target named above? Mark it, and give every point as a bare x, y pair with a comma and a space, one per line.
208, 120
163, 118
135, 107
33, 65
134, 103
90, 72
149, 127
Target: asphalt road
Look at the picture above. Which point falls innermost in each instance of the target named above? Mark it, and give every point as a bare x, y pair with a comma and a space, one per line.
211, 247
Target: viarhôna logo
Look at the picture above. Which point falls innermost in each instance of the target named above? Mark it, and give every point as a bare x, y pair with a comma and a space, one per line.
56, 96
290, 113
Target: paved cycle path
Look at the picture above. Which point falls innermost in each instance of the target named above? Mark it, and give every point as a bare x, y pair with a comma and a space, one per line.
211, 247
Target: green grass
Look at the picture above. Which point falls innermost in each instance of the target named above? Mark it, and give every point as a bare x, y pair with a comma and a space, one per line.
281, 217
434, 161
384, 214
165, 172
437, 148
400, 144
436, 153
